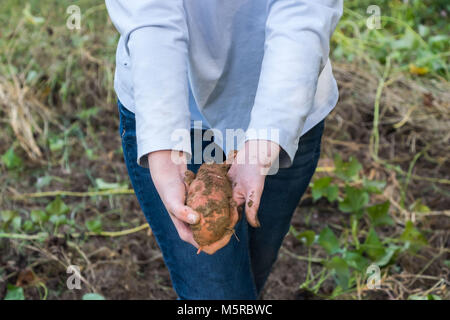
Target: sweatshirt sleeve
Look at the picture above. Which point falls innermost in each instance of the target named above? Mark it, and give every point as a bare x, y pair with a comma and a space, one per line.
296, 50
156, 39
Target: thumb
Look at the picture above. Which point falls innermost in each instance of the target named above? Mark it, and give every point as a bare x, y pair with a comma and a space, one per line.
185, 213
252, 202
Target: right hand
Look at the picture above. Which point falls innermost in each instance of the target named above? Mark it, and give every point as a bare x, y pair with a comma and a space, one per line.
167, 169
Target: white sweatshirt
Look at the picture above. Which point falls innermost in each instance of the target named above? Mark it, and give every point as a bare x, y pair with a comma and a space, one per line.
235, 64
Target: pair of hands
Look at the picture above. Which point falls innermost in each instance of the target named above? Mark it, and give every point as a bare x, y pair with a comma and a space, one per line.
247, 174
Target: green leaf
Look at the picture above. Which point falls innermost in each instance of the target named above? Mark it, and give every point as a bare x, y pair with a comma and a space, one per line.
14, 293
307, 237
373, 186
55, 143
379, 214
319, 187
94, 225
348, 171
407, 42
16, 222
419, 207
32, 76
93, 296
88, 113
438, 42
8, 215
43, 181
328, 241
387, 257
39, 216
356, 260
91, 154
57, 207
341, 271
332, 193
30, 18
427, 297
413, 236
373, 246
424, 30
11, 160
323, 188
336, 292
355, 200
58, 219
102, 185
28, 225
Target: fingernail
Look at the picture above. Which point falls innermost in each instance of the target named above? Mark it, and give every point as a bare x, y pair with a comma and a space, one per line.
258, 224
193, 218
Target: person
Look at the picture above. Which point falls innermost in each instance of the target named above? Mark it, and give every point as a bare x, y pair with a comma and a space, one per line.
186, 67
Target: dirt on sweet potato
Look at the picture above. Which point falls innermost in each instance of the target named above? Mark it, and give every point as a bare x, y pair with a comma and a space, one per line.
210, 194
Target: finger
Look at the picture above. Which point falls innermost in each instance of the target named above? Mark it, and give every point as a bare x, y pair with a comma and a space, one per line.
173, 195
238, 192
231, 157
252, 206
237, 202
185, 214
184, 232
188, 177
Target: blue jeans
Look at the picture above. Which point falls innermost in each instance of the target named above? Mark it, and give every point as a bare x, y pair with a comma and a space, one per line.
240, 269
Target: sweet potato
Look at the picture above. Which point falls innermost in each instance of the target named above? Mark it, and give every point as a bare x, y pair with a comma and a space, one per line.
210, 194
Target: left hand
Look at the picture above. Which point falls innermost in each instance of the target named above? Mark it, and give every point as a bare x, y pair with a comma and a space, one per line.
248, 173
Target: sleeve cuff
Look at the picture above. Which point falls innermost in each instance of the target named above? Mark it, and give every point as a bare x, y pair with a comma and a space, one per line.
287, 141
180, 140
